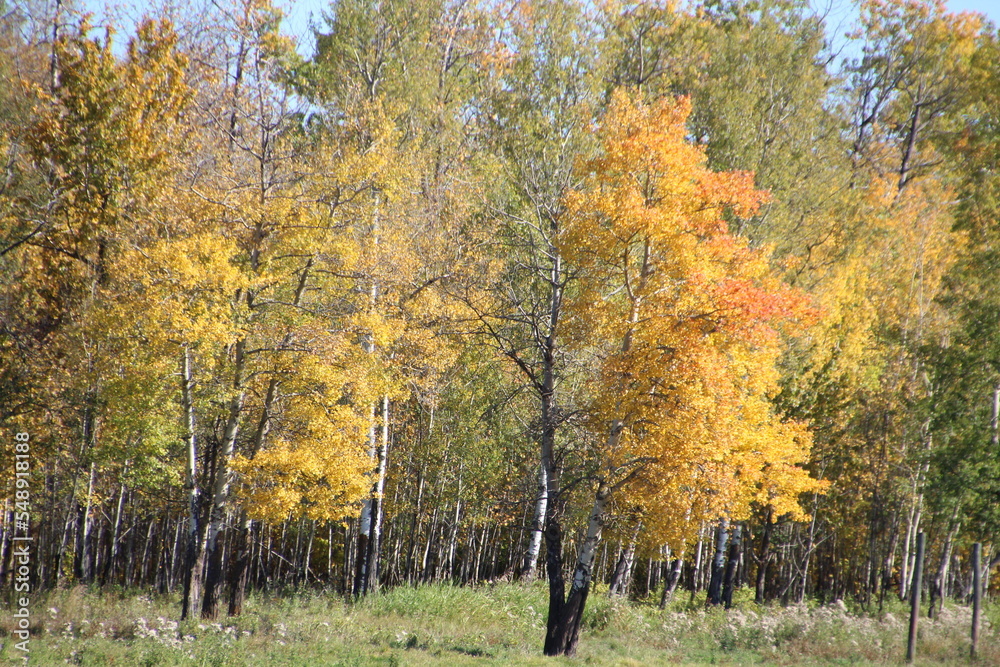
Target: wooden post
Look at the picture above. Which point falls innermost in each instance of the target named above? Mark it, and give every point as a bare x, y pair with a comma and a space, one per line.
977, 594
918, 574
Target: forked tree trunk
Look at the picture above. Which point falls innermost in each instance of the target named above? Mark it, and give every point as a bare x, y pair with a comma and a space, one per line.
239, 569
572, 613
940, 577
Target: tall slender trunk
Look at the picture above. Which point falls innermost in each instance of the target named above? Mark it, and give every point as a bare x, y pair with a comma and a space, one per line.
764, 558
109, 568
568, 627
623, 568
915, 515
238, 565
453, 539
194, 556
698, 562
995, 418
220, 490
810, 545
83, 563
371, 579
940, 577
670, 585
239, 575
555, 640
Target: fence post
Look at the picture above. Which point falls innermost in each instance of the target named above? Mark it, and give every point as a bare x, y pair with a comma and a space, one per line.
918, 575
977, 594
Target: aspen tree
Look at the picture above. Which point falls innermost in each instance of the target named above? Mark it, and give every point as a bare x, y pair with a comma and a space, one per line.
684, 323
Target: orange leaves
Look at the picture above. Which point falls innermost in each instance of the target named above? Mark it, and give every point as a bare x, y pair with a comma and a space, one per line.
654, 181
682, 317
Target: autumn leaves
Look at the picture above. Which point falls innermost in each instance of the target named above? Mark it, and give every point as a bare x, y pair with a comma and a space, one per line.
684, 323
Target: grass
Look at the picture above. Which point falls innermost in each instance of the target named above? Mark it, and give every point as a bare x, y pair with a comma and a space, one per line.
500, 624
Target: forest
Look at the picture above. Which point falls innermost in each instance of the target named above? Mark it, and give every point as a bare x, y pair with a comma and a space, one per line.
643, 297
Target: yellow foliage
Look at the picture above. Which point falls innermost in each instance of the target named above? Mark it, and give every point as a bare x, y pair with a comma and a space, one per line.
684, 321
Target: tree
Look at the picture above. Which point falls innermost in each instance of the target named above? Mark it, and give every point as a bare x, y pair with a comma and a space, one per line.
683, 321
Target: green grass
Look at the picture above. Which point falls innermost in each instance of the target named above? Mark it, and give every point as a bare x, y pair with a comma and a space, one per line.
491, 625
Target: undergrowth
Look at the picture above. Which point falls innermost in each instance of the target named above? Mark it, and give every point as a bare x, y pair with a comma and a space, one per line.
494, 624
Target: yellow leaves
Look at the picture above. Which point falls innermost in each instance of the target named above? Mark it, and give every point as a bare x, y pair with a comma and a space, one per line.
179, 289
318, 467
318, 478
684, 320
886, 279
109, 128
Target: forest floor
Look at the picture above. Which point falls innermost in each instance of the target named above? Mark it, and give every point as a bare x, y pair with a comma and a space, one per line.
500, 624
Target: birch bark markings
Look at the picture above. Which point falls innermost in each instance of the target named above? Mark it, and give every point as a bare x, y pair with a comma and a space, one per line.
193, 563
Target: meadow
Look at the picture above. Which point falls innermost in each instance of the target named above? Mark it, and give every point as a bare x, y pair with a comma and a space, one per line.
498, 624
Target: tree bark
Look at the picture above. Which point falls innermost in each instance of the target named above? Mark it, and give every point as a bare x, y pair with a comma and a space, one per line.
220, 491
193, 561
764, 559
718, 562
572, 613
729, 579
378, 491
670, 585
530, 564
83, 566
623, 569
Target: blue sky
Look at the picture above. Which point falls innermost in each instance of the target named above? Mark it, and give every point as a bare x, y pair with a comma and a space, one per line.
989, 7
298, 12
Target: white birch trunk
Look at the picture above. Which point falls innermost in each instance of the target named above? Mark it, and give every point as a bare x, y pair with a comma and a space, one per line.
223, 476
537, 525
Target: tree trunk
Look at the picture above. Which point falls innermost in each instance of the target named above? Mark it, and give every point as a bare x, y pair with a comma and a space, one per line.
220, 492
718, 563
375, 543
623, 569
729, 579
555, 640
83, 565
109, 567
239, 565
194, 556
537, 526
572, 613
670, 585
764, 558
940, 577
370, 538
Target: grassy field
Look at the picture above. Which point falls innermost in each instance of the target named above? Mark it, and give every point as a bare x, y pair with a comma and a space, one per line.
493, 625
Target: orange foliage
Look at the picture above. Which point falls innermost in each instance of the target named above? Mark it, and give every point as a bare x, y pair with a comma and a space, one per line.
684, 321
